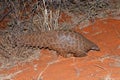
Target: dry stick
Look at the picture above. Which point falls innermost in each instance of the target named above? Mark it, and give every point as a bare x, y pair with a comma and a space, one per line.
37, 27
3, 48
3, 17
48, 64
41, 28
51, 20
16, 13
40, 75
11, 75
57, 14
45, 24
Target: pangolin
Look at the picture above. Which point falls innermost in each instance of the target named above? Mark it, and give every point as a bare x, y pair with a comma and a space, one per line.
64, 42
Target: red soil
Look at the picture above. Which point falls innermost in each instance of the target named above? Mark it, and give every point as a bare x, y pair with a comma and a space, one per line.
98, 65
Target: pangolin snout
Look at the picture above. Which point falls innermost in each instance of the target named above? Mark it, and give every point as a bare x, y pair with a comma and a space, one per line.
95, 47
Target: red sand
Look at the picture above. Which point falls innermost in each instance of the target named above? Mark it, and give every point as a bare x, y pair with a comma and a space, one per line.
98, 65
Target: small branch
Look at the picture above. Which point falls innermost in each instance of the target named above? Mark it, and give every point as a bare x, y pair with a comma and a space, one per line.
5, 15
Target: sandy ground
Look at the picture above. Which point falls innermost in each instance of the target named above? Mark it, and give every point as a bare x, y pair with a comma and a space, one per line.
98, 65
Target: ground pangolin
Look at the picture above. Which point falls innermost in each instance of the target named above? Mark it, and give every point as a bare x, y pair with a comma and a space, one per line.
64, 42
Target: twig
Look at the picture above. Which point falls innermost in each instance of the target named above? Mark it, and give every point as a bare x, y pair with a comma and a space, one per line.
4, 15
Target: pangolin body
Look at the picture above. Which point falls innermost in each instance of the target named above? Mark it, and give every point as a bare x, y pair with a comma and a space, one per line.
64, 42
